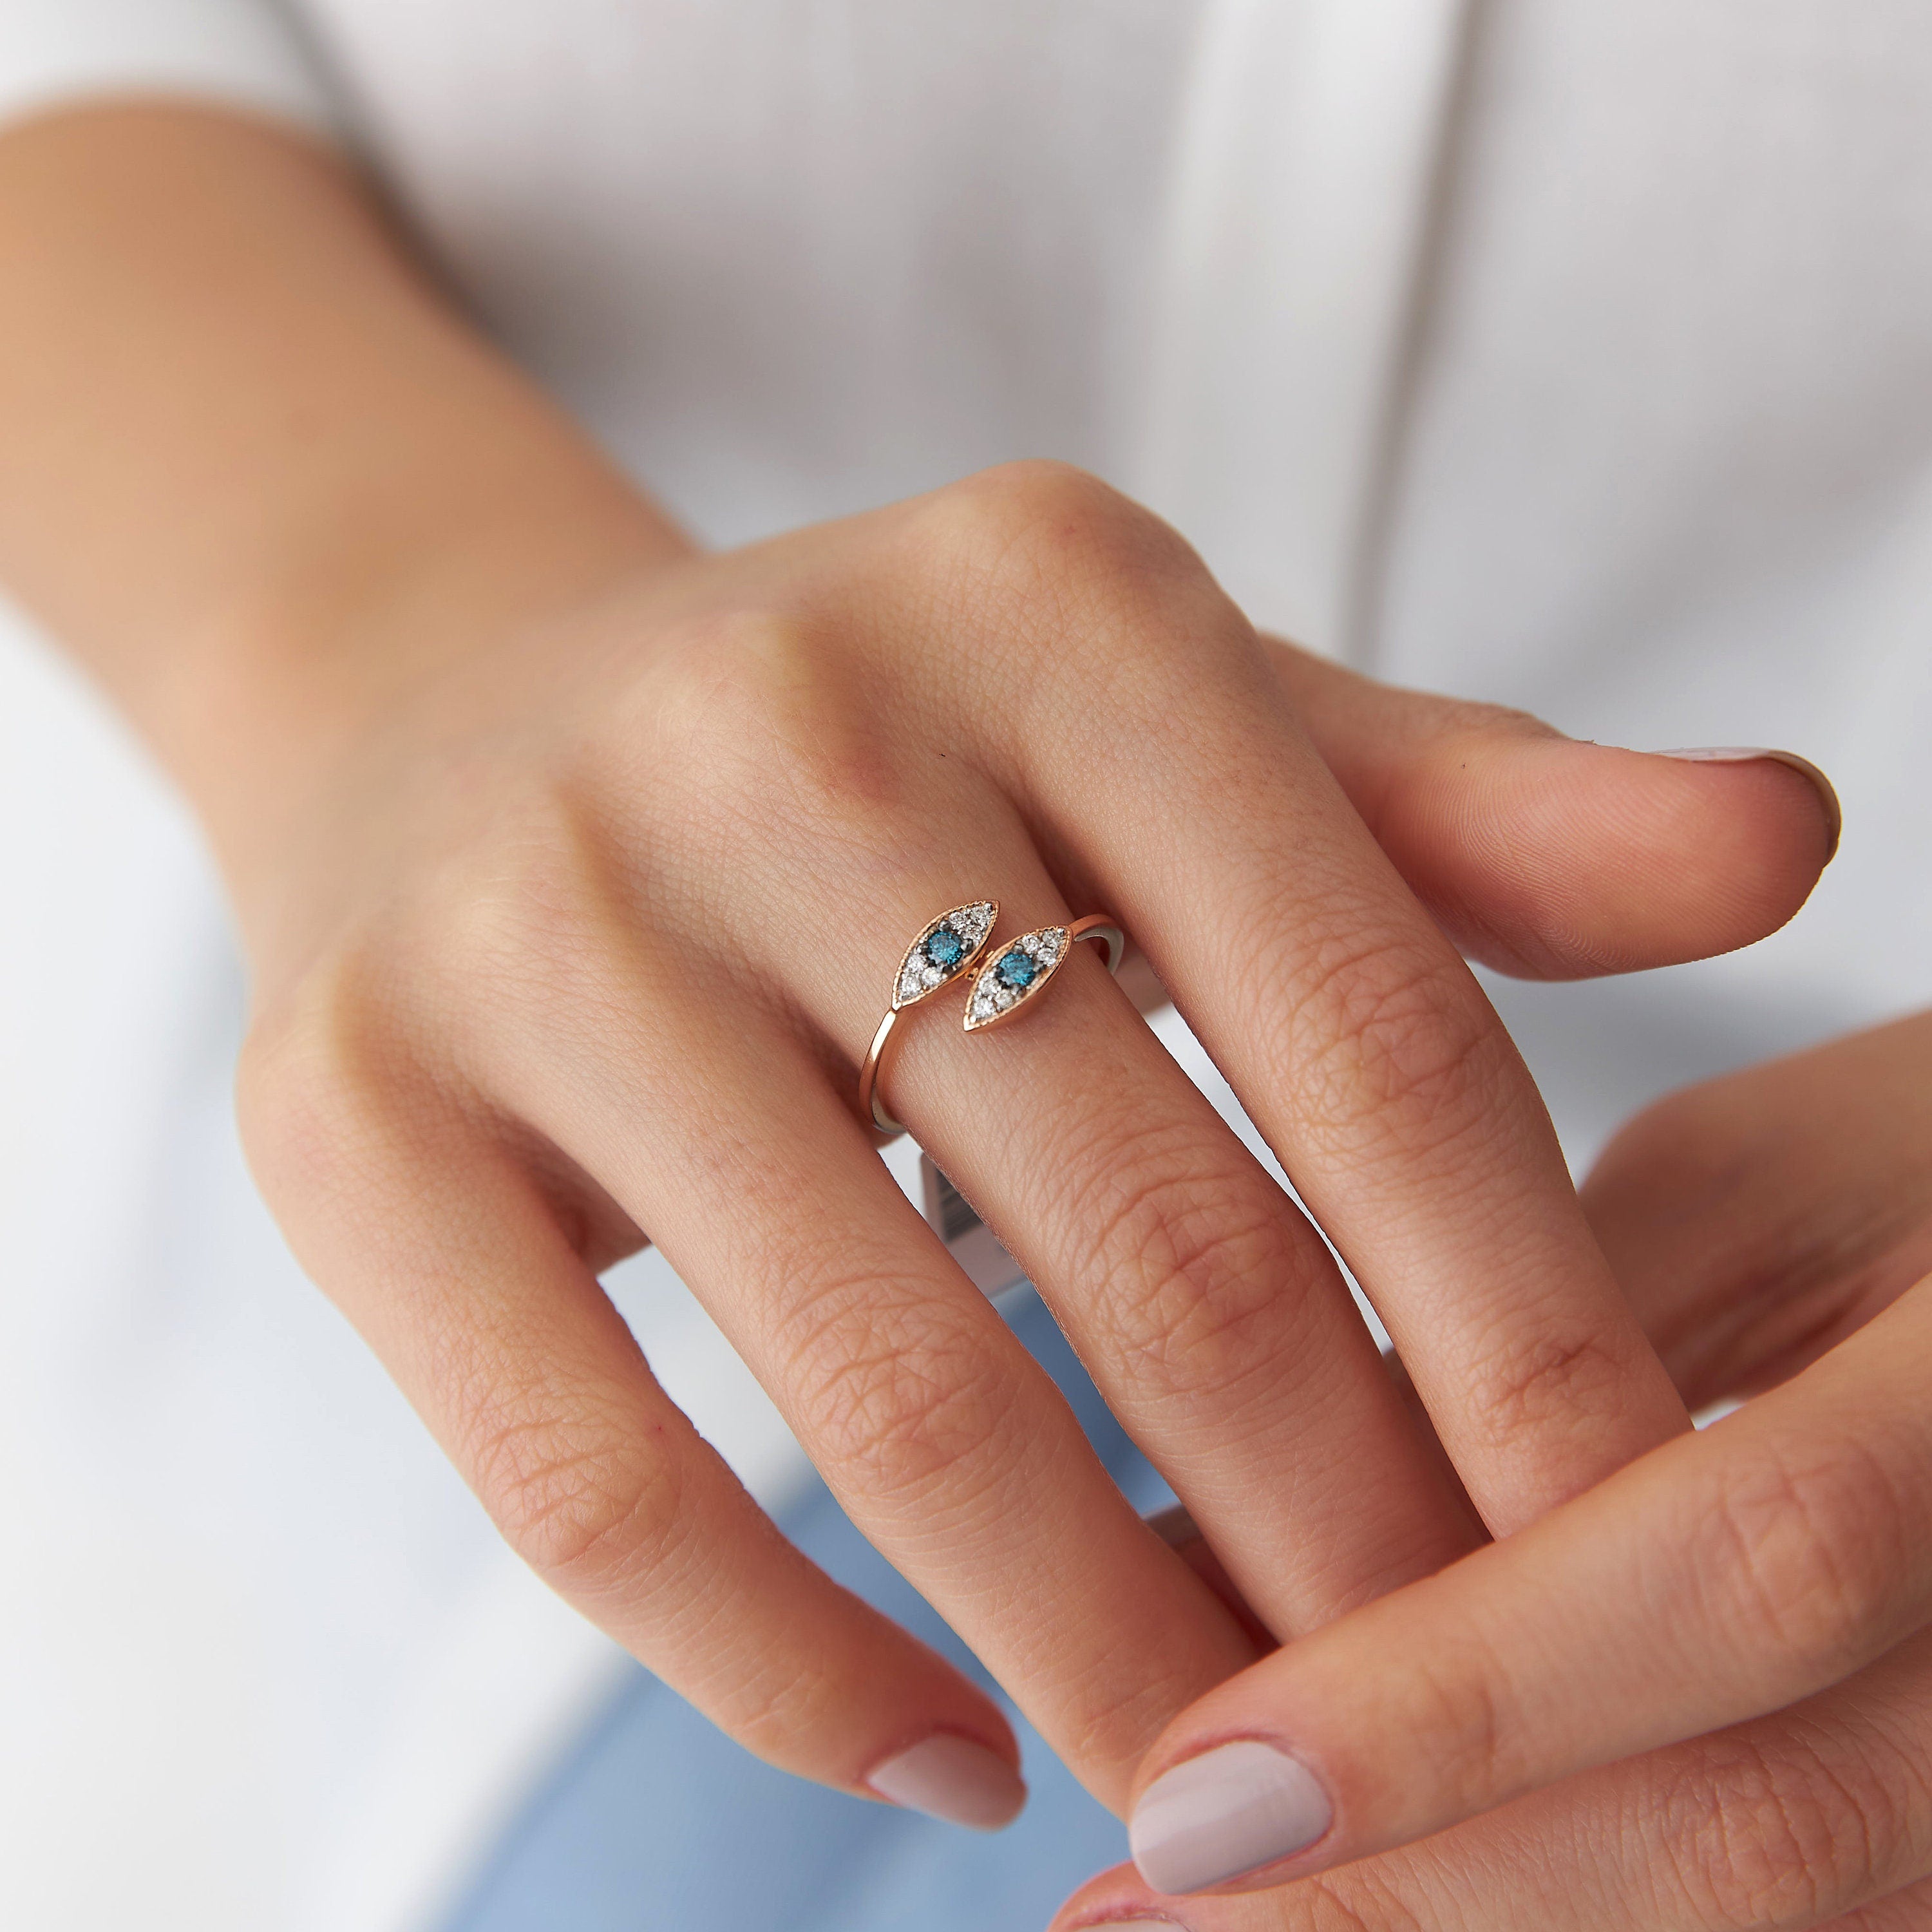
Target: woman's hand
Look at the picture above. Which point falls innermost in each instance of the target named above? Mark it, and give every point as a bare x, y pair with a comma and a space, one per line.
1712, 1675
576, 868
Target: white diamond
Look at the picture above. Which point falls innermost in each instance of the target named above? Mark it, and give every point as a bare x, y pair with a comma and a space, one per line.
971, 922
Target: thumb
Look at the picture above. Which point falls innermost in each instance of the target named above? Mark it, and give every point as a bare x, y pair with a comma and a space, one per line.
1555, 859
1719, 1577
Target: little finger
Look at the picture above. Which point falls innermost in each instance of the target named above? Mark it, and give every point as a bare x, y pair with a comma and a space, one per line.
445, 1250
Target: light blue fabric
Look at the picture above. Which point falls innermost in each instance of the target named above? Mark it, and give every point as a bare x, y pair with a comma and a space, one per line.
656, 1823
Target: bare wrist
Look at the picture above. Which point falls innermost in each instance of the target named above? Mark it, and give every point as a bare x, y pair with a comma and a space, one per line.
255, 471
277, 687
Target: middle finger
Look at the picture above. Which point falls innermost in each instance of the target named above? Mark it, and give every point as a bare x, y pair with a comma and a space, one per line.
1364, 1051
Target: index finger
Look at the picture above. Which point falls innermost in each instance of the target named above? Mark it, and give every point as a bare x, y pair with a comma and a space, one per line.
1191, 804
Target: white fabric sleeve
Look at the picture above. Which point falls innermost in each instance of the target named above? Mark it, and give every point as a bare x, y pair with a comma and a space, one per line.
240, 52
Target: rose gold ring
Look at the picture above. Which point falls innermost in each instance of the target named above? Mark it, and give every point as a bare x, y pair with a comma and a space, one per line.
1014, 977
944, 952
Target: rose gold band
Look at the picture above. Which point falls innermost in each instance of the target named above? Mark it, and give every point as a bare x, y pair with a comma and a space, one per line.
1001, 988
868, 1076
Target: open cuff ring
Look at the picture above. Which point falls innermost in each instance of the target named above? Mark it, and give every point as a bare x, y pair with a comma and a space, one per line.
1015, 975
1010, 980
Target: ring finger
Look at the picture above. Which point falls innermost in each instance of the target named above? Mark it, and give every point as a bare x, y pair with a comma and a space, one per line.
1207, 1308
1209, 1312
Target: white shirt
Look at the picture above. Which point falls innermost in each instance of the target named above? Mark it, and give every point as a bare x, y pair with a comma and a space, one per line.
1575, 356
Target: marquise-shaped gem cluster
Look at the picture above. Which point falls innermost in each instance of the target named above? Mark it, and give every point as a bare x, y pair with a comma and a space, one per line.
943, 951
1014, 974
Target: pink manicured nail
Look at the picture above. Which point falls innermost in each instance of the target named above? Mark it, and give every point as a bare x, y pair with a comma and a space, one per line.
1224, 1813
1747, 754
952, 1778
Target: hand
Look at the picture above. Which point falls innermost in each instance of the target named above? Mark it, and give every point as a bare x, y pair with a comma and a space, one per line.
1701, 1695
587, 939
574, 867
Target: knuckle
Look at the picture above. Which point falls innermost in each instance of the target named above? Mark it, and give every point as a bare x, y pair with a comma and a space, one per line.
530, 926
1201, 1267
1038, 532
1383, 1038
324, 1084
584, 1501
522, 898
1809, 1556
1009, 506
1443, 739
1462, 1698
1541, 1376
1777, 1835
753, 717
897, 1396
538, 928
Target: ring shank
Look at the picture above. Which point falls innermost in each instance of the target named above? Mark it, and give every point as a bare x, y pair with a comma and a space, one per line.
869, 1076
1098, 927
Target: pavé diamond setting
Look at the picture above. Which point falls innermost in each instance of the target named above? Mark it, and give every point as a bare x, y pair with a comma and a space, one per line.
944, 950
1014, 974
947, 950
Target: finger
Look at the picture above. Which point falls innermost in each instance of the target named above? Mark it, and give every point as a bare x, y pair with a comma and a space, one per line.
1909, 1910
1724, 1575
1554, 858
945, 1443
1177, 1529
1365, 1052
444, 1251
1209, 1313
1756, 1220
1820, 1815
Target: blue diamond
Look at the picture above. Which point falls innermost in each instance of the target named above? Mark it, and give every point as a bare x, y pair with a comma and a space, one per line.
945, 948
1018, 969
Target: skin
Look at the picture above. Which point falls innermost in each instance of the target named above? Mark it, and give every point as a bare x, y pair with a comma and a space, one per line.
1698, 1698
574, 865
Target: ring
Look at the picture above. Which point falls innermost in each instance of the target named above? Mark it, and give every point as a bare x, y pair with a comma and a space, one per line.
1015, 974
942, 953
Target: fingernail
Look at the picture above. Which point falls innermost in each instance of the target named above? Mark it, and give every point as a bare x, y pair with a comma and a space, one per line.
952, 1778
1230, 1810
1746, 754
